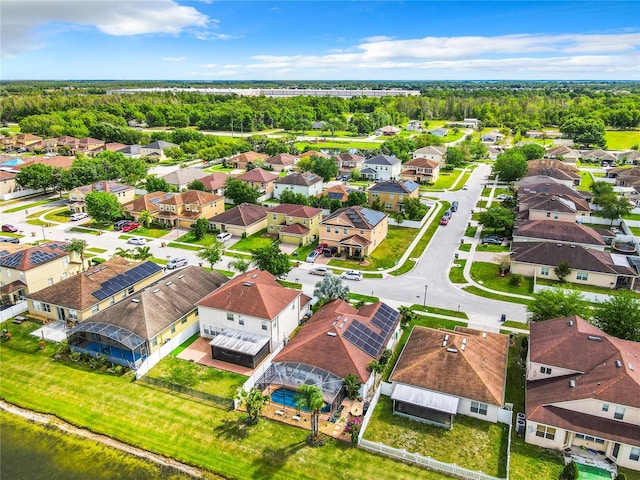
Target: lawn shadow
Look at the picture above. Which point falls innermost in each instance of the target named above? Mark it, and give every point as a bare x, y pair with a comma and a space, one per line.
273, 459
233, 429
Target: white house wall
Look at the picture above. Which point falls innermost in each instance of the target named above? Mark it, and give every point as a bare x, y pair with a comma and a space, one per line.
464, 408
593, 407
308, 191
534, 373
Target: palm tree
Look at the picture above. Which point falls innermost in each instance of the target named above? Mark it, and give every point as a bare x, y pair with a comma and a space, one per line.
212, 253
122, 252
330, 288
145, 218
239, 265
77, 246
254, 401
142, 253
309, 397
375, 367
352, 386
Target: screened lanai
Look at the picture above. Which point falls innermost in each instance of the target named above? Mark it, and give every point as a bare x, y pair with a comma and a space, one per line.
116, 344
292, 374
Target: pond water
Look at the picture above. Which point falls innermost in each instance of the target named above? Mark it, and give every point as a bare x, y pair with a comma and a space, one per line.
32, 452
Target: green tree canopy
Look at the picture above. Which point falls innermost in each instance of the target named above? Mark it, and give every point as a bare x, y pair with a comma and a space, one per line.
200, 228
532, 151
557, 303
103, 206
254, 401
240, 192
212, 253
619, 316
510, 165
36, 176
327, 168
155, 184
357, 198
272, 260
497, 218
310, 398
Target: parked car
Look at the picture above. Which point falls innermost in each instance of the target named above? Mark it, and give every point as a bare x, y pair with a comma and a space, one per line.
137, 241
444, 220
312, 256
322, 271
9, 228
177, 263
130, 226
330, 251
465, 187
352, 275
120, 224
447, 213
223, 237
321, 247
78, 216
454, 206
492, 240
504, 196
9, 240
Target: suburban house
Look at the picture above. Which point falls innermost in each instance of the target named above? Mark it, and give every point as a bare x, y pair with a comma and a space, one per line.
559, 207
414, 126
583, 392
493, 151
388, 130
466, 123
241, 160
564, 153
183, 209
431, 153
295, 224
281, 162
215, 183
587, 265
338, 192
25, 141
599, 156
393, 193
381, 167
492, 137
338, 340
421, 170
554, 168
441, 373
111, 147
25, 269
249, 317
123, 192
625, 177
629, 157
542, 134
438, 132
81, 296
8, 183
131, 151
355, 231
532, 181
347, 162
314, 153
260, 180
566, 232
155, 150
242, 220
149, 202
183, 177
142, 330
308, 184
87, 146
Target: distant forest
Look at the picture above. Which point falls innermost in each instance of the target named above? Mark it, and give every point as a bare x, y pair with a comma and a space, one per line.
82, 108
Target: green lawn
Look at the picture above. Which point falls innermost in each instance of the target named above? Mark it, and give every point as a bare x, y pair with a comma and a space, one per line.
439, 311
482, 293
199, 377
578, 286
29, 205
60, 215
190, 237
445, 180
388, 252
470, 232
622, 140
462, 182
635, 231
253, 242
95, 249
513, 324
586, 181
492, 248
455, 274
214, 439
84, 230
184, 247
336, 144
151, 232
471, 443
487, 274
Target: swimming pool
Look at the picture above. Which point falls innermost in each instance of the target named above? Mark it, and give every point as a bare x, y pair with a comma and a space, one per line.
589, 472
286, 397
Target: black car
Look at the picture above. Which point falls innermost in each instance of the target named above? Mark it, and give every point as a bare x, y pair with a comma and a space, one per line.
492, 240
330, 251
454, 206
120, 223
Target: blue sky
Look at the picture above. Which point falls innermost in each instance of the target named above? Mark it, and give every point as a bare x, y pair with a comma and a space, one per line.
307, 40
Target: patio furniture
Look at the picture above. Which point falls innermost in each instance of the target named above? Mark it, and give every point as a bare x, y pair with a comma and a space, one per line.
279, 412
296, 418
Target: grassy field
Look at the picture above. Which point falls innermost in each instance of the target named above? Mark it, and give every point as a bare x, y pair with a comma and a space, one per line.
385, 256
439, 311
586, 181
210, 438
253, 242
445, 180
482, 293
622, 140
28, 205
471, 443
337, 144
486, 274
455, 273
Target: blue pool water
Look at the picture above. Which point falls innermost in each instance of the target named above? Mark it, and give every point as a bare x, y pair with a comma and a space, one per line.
113, 352
284, 396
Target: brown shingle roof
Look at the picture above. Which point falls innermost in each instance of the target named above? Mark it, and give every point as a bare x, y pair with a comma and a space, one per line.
295, 229
77, 292
560, 231
421, 162
247, 157
244, 214
255, 293
302, 179
338, 192
257, 175
33, 256
578, 257
335, 354
477, 371
292, 210
214, 181
163, 302
283, 159
148, 202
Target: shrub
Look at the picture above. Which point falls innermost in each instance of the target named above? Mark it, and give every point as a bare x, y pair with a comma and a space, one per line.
354, 424
516, 279
570, 471
97, 260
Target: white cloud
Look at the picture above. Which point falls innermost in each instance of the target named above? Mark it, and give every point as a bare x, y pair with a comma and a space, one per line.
174, 59
206, 35
209, 65
376, 38
232, 66
25, 21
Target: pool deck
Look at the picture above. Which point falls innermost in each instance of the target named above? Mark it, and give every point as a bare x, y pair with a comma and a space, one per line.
581, 456
200, 352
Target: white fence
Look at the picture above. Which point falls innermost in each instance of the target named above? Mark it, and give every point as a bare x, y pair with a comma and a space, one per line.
258, 372
12, 311
166, 349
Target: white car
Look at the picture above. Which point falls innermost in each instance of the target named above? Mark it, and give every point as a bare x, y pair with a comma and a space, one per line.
312, 256
137, 241
503, 196
352, 275
223, 237
465, 187
322, 271
79, 216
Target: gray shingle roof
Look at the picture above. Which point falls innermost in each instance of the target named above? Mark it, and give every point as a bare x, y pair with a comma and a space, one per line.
383, 160
394, 186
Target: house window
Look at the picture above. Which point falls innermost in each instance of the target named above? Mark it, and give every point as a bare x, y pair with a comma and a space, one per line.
46, 307
95, 308
544, 271
241, 321
555, 216
479, 408
22, 278
391, 196
548, 214
545, 370
344, 231
328, 229
275, 217
337, 230
265, 326
195, 312
619, 413
112, 301
635, 454
374, 194
605, 407
543, 431
130, 291
582, 276
73, 314
183, 320
173, 328
154, 342
230, 317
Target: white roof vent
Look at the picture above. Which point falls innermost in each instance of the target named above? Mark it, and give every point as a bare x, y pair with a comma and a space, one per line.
444, 343
452, 350
446, 337
570, 323
484, 334
594, 338
630, 366
135, 300
464, 341
169, 283
572, 383
464, 345
180, 276
156, 290
618, 364
247, 284
332, 334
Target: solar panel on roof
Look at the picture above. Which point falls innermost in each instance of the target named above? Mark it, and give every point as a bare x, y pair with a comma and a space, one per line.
364, 338
126, 279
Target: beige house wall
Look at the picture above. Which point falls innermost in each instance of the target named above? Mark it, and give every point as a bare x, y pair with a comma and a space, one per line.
332, 234
7, 185
547, 215
172, 330
593, 278
280, 219
392, 201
